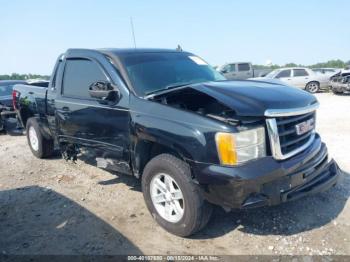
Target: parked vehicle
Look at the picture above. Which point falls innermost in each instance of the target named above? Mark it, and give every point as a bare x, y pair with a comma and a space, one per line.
193, 138
6, 87
303, 78
8, 121
340, 82
6, 110
242, 70
327, 71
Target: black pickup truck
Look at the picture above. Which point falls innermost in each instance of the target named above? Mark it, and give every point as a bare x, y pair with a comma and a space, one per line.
194, 138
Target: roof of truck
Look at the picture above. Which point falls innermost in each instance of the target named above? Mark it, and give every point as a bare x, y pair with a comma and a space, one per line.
128, 50
138, 50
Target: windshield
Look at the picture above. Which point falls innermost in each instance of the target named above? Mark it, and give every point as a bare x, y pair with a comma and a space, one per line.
153, 72
272, 74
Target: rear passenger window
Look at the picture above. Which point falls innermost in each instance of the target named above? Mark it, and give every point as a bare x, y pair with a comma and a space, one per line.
300, 72
284, 73
79, 74
243, 67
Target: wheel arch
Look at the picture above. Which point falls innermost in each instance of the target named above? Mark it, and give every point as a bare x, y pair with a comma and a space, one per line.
43, 124
145, 150
313, 81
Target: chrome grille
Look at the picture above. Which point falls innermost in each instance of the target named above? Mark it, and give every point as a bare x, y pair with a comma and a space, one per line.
289, 139
284, 138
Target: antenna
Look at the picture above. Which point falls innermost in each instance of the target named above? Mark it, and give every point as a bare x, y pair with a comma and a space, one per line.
132, 30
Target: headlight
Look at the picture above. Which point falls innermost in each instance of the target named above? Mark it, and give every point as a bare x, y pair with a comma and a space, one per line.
237, 148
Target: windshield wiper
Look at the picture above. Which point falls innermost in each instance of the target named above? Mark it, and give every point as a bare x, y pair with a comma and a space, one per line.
168, 87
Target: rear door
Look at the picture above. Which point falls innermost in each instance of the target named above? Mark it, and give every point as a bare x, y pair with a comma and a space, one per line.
244, 71
102, 131
300, 77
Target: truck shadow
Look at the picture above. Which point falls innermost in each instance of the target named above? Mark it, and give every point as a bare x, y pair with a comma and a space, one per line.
133, 183
287, 219
35, 220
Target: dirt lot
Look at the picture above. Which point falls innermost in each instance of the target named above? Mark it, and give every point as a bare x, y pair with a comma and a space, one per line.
57, 207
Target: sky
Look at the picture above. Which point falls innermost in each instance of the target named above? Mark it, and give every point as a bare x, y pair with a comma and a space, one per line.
33, 33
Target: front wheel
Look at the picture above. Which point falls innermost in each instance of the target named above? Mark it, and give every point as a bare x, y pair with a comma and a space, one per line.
171, 196
336, 92
312, 87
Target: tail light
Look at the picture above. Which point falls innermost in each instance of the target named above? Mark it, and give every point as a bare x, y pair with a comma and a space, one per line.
15, 95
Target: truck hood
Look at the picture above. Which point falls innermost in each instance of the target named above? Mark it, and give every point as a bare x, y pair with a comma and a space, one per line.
253, 98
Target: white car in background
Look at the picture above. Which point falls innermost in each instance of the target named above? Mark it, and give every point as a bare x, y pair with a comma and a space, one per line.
299, 77
327, 71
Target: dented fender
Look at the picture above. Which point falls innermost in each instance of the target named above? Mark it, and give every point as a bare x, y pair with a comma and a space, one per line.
187, 134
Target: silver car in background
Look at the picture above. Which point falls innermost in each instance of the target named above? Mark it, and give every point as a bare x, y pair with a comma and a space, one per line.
327, 71
300, 77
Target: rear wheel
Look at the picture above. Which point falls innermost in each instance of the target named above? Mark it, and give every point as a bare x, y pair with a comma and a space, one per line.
336, 92
40, 146
312, 87
171, 196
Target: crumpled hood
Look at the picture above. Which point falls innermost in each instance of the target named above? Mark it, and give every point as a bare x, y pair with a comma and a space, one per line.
253, 98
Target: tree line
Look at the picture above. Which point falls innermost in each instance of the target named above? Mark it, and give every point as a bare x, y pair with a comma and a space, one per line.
15, 76
331, 63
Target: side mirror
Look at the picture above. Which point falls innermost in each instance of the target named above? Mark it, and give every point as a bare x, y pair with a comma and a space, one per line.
105, 92
223, 71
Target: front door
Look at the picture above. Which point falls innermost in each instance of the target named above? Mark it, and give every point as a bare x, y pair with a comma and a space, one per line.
244, 71
100, 131
230, 72
300, 77
285, 76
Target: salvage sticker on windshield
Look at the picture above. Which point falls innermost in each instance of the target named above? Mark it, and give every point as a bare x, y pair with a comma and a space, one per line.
197, 60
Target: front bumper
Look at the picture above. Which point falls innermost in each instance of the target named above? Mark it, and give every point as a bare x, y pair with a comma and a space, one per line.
340, 87
267, 181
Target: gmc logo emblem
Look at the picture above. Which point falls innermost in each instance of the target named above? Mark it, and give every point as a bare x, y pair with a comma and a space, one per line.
305, 126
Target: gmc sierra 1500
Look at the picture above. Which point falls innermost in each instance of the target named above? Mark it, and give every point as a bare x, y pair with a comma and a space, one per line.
194, 138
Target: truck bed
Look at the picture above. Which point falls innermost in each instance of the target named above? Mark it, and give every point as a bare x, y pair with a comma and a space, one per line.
32, 99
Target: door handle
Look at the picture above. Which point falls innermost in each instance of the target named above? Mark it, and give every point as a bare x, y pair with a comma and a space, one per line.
31, 92
306, 78
65, 108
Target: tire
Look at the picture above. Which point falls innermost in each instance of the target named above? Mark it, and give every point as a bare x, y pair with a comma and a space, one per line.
40, 146
196, 211
312, 87
336, 92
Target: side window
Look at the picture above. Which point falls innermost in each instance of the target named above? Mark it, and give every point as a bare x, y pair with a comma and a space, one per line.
228, 68
54, 79
300, 72
79, 74
243, 67
284, 73
232, 68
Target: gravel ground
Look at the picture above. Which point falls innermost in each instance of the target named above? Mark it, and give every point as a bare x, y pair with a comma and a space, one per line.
57, 207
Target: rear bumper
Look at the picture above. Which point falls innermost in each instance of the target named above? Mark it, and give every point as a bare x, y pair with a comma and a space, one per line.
266, 181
